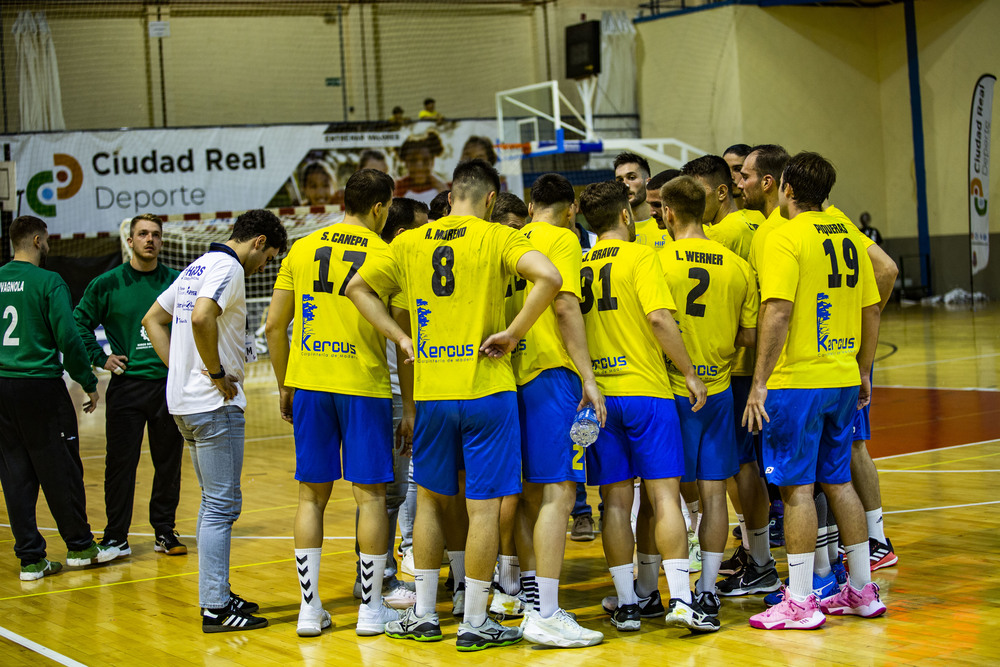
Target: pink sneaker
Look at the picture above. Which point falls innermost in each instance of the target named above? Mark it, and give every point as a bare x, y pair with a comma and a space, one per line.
864, 603
790, 615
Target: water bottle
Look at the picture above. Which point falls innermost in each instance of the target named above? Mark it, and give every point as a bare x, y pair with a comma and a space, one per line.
585, 427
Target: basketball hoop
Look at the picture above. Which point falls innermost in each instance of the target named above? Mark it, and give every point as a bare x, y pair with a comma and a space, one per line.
510, 156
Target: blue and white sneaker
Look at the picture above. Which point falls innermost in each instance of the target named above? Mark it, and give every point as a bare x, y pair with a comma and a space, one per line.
823, 587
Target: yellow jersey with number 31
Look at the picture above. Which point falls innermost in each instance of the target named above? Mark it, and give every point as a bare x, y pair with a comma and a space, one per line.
716, 296
813, 261
542, 347
333, 348
622, 283
453, 273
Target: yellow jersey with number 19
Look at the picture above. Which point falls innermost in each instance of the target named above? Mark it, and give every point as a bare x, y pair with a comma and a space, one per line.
622, 283
542, 347
333, 348
716, 296
813, 262
453, 273
648, 233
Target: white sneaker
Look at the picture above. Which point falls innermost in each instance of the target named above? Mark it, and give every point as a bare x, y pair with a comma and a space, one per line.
506, 606
458, 601
560, 630
694, 553
406, 564
372, 622
312, 621
400, 597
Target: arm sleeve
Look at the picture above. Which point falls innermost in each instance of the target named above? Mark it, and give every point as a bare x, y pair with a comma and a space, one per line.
218, 282
67, 336
869, 293
513, 246
89, 315
381, 272
568, 259
284, 280
782, 277
650, 283
168, 297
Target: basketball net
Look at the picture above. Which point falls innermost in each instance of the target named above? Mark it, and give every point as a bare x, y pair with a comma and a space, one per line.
510, 156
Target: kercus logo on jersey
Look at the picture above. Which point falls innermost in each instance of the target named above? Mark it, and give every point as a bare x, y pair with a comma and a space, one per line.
825, 343
61, 182
612, 364
309, 344
426, 351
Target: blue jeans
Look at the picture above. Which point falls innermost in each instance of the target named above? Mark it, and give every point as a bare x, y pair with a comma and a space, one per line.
215, 440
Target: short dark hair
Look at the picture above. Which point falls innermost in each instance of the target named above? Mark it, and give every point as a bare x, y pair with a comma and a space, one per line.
365, 188
259, 222
151, 217
396, 110
811, 176
738, 149
552, 189
24, 229
658, 181
712, 168
369, 154
601, 203
473, 179
770, 160
508, 203
440, 207
685, 197
429, 100
632, 158
485, 144
402, 214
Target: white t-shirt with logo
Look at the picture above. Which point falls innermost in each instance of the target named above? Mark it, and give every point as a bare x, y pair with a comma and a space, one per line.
216, 275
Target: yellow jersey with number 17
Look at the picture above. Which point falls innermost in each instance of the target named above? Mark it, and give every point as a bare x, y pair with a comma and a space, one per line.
648, 233
542, 347
715, 296
813, 262
453, 273
622, 283
333, 348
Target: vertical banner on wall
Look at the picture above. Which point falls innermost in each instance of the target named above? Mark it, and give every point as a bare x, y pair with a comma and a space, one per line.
980, 120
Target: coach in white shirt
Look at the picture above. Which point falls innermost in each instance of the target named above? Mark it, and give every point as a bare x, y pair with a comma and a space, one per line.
198, 327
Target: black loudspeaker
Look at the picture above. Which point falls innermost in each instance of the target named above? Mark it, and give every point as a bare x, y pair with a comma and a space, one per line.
583, 50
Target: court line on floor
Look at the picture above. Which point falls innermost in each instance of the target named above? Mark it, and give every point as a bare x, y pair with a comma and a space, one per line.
938, 463
52, 655
943, 507
909, 386
936, 471
936, 449
939, 361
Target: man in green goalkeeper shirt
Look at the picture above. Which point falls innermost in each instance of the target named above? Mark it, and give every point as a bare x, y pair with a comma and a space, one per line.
39, 446
137, 393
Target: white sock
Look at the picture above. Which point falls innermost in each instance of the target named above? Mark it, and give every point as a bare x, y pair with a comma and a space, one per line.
624, 584
744, 537
530, 587
648, 574
510, 575
426, 583
858, 565
457, 560
821, 562
307, 566
477, 594
876, 529
800, 575
372, 574
833, 542
548, 596
760, 548
678, 572
710, 564
693, 512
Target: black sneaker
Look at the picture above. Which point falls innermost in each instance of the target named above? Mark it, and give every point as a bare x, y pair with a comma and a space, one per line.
169, 544
752, 580
738, 532
709, 602
245, 606
123, 547
627, 618
736, 562
649, 607
776, 530
690, 615
229, 619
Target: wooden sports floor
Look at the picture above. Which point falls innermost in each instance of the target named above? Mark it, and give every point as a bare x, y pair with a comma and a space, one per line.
936, 420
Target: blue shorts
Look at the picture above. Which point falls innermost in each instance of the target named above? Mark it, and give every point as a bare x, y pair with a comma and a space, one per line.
546, 407
746, 450
323, 420
709, 448
808, 439
861, 428
642, 438
481, 433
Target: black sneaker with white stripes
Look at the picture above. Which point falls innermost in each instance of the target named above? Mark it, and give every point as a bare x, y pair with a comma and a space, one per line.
229, 619
242, 605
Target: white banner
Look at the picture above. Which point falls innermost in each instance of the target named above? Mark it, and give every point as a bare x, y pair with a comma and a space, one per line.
86, 182
979, 171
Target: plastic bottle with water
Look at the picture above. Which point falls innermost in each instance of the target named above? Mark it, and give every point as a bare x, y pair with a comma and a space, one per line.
585, 427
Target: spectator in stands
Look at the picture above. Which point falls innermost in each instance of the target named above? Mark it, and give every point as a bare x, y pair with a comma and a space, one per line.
868, 230
430, 113
398, 119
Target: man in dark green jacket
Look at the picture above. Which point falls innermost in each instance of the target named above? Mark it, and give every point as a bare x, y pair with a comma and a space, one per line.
136, 397
39, 444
